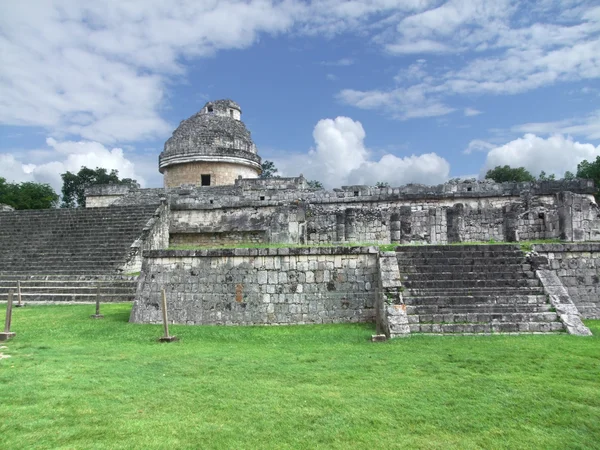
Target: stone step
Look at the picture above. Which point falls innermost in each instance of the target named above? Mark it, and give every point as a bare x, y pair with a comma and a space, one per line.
481, 317
484, 292
443, 268
477, 275
488, 328
471, 284
478, 308
62, 297
4, 276
453, 299
457, 247
447, 262
460, 254
104, 290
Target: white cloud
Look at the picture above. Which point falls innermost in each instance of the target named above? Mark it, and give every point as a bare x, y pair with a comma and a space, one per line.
340, 157
477, 145
100, 70
338, 62
66, 156
331, 77
402, 104
471, 112
553, 155
508, 49
588, 127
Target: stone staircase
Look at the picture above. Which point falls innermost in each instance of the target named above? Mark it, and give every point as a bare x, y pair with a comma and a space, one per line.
473, 289
64, 254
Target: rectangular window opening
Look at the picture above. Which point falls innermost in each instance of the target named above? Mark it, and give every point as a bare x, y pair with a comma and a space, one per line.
205, 180
262, 197
356, 193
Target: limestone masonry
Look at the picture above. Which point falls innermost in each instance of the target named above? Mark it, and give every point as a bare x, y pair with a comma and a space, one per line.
213, 197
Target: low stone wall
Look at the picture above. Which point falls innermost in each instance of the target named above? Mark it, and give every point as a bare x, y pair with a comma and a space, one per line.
578, 267
259, 286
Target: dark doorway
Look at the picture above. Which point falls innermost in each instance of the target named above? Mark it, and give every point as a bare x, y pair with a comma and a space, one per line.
205, 180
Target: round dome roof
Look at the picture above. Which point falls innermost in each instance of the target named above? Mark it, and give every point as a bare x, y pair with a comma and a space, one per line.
215, 131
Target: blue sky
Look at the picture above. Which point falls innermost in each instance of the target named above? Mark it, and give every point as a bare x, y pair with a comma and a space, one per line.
350, 92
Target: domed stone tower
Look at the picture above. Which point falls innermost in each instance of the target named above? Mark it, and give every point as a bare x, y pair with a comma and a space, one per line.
211, 148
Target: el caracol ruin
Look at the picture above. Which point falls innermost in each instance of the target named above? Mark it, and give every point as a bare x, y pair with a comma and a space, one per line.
213, 197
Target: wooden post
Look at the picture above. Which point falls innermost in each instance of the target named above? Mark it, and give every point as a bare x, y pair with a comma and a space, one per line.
97, 315
19, 303
166, 337
6, 335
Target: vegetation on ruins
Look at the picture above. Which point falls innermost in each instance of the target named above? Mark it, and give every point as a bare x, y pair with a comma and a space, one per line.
79, 383
74, 184
27, 195
268, 169
591, 171
314, 184
502, 174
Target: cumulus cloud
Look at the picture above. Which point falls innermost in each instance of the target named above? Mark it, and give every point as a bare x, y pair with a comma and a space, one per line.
64, 156
340, 157
553, 155
100, 70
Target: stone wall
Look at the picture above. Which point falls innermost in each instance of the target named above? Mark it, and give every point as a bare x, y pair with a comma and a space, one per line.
287, 211
154, 235
578, 267
101, 196
221, 173
217, 239
259, 286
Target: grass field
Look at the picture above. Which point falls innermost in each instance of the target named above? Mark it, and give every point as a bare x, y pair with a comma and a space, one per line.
72, 382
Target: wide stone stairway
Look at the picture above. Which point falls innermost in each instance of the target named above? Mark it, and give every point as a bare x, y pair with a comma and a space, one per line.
70, 254
473, 289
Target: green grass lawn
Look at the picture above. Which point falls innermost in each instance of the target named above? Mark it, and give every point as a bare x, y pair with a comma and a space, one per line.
72, 382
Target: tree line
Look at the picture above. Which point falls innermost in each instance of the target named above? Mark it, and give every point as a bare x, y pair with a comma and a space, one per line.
30, 195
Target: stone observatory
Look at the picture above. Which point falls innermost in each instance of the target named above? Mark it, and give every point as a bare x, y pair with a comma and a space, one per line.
211, 148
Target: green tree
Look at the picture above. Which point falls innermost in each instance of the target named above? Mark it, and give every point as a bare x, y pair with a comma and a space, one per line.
27, 195
268, 169
544, 177
501, 174
569, 175
314, 184
590, 171
382, 184
73, 190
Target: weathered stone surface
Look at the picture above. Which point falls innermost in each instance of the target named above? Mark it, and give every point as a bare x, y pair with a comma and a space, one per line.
577, 265
269, 286
561, 300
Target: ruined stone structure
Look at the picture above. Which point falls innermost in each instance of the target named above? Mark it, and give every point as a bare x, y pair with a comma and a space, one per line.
212, 198
211, 148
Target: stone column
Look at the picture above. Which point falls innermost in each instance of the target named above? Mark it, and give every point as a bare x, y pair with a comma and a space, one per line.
405, 224
340, 226
395, 228
455, 223
565, 215
350, 225
510, 224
